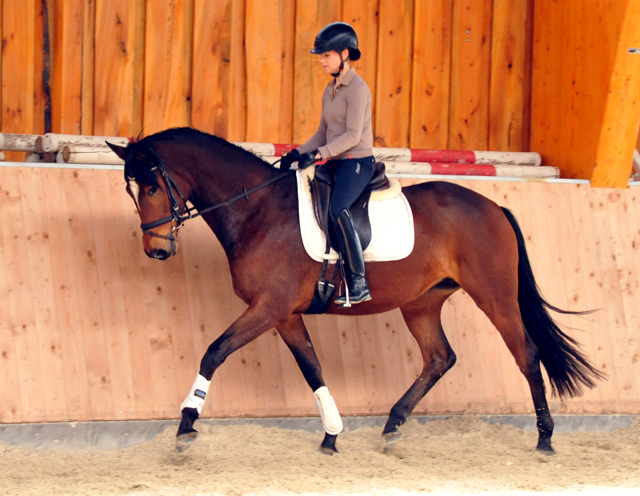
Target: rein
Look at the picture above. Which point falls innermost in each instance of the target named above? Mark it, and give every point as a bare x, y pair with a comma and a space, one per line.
178, 219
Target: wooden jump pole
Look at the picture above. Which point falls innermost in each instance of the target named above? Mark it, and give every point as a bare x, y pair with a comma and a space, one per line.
73, 154
52, 142
18, 142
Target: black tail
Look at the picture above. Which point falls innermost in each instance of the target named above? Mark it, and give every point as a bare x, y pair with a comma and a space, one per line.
566, 366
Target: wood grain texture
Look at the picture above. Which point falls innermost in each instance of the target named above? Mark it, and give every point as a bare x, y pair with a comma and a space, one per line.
393, 84
68, 25
622, 109
509, 94
119, 43
431, 86
167, 59
242, 70
470, 75
583, 81
269, 58
212, 62
88, 67
92, 329
22, 109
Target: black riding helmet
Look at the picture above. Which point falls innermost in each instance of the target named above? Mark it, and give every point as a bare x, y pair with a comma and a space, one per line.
336, 37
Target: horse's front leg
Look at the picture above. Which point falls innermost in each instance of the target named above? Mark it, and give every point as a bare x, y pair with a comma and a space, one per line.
295, 335
256, 320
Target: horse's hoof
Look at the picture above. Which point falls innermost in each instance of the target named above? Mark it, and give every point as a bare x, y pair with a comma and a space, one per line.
184, 441
325, 450
545, 449
391, 439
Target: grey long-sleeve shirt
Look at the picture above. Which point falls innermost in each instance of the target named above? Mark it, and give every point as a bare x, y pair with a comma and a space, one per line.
345, 124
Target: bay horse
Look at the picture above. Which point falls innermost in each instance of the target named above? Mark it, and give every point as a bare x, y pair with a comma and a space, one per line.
462, 240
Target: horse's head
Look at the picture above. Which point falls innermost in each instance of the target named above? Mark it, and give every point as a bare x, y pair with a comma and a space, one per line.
159, 198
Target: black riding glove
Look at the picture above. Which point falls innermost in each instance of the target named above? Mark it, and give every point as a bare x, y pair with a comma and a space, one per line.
287, 160
307, 159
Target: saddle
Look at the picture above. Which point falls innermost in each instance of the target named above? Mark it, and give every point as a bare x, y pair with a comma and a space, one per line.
321, 188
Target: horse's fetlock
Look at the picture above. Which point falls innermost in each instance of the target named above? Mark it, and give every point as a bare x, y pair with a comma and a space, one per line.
450, 360
396, 417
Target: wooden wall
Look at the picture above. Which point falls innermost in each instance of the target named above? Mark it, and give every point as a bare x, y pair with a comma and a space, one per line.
585, 107
443, 73
90, 328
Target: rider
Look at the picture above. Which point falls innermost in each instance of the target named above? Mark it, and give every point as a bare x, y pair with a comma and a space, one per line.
345, 137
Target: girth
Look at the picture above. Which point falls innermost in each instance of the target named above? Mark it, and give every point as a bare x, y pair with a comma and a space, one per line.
321, 189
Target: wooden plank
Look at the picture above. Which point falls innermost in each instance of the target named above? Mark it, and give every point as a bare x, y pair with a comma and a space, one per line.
268, 66
470, 69
212, 62
114, 263
582, 233
621, 119
610, 316
66, 246
87, 225
547, 98
19, 88
124, 349
88, 68
310, 79
510, 75
238, 73
13, 300
67, 65
2, 31
287, 51
118, 67
393, 86
167, 64
431, 75
19, 319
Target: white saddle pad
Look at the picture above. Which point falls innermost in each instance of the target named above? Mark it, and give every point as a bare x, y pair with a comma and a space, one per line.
392, 232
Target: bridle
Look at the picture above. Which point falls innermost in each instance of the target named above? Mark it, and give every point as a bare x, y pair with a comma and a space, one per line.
177, 219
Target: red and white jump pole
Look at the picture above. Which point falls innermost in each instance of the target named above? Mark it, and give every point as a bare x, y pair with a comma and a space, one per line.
417, 155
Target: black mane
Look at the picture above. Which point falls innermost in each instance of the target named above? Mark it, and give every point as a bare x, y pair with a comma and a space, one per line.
142, 158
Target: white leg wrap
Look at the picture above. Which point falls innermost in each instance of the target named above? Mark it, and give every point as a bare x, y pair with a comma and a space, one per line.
196, 396
329, 414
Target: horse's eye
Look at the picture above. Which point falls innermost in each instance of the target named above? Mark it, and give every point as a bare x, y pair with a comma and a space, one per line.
152, 191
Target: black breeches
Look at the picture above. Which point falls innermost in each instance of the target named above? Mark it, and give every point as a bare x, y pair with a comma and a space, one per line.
351, 177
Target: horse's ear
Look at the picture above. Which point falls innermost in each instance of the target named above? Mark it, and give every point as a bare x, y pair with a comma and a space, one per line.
121, 151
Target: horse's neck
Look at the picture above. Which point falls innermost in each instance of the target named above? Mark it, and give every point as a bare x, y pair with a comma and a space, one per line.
218, 181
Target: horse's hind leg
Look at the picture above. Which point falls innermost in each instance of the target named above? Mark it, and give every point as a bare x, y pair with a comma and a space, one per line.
295, 335
423, 320
525, 352
500, 304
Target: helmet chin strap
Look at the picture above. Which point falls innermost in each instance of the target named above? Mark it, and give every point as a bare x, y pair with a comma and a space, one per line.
336, 74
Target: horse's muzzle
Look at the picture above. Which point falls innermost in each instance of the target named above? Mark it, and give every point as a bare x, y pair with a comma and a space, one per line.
158, 254
160, 249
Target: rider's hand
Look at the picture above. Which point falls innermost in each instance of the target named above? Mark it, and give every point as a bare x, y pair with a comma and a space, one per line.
287, 160
307, 159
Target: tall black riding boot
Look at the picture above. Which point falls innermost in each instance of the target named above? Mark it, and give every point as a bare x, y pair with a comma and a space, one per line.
352, 252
